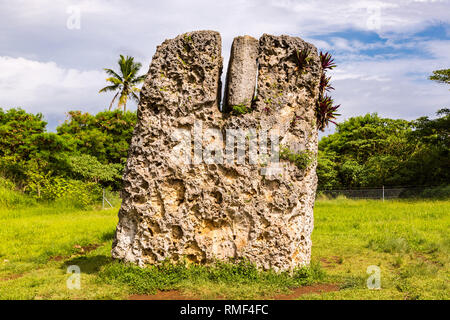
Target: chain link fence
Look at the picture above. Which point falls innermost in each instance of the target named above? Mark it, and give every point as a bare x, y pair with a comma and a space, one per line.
385, 193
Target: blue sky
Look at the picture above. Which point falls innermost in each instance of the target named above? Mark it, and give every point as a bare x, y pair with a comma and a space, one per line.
385, 50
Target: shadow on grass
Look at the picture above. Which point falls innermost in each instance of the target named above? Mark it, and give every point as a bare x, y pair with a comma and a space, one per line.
108, 235
88, 264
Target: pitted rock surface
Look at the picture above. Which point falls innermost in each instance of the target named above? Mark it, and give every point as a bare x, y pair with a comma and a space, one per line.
203, 212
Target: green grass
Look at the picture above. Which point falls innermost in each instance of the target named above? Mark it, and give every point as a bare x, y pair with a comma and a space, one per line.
12, 199
241, 280
408, 240
30, 237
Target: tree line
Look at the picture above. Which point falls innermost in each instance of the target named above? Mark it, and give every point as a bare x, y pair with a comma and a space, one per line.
370, 151
88, 151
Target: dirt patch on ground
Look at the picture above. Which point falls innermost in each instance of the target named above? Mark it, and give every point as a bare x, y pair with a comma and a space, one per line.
331, 261
86, 249
317, 288
11, 277
428, 260
297, 292
82, 250
57, 258
162, 295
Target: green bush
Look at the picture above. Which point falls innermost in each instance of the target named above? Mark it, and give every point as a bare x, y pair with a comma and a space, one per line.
72, 193
441, 192
88, 168
369, 151
241, 109
10, 198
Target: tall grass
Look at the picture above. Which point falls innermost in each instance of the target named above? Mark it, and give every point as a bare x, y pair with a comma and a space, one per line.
407, 239
9, 198
72, 195
394, 225
32, 232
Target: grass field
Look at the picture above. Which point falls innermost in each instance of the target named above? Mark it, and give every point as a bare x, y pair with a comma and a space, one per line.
407, 240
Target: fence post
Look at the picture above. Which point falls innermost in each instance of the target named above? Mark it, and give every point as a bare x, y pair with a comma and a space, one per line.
383, 193
104, 199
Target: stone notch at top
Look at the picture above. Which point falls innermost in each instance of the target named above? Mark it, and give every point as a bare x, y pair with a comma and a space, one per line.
242, 72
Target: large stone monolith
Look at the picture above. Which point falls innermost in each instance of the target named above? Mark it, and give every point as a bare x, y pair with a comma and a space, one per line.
183, 196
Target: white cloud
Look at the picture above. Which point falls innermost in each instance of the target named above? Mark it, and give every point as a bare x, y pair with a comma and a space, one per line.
48, 88
395, 88
388, 18
439, 49
388, 84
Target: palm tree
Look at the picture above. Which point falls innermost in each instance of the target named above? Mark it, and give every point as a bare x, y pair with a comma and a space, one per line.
124, 84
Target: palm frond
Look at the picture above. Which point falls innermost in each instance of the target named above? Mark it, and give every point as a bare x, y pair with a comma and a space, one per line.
109, 88
139, 79
112, 101
112, 73
115, 81
135, 97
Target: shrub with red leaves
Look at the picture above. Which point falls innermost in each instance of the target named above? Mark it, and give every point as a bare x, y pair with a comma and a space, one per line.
325, 110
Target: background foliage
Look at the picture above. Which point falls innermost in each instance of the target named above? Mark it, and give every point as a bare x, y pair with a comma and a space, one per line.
369, 151
88, 152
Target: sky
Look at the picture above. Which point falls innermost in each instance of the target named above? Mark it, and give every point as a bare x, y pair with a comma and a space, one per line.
52, 53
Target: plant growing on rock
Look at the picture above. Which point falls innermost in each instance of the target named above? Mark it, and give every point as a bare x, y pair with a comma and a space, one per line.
302, 59
325, 83
325, 110
241, 108
301, 159
294, 121
326, 61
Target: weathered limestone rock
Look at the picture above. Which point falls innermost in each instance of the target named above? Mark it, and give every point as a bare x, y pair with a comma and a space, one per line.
177, 202
242, 71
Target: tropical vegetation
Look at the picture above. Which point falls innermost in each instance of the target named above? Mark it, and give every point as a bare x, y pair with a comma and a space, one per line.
125, 82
